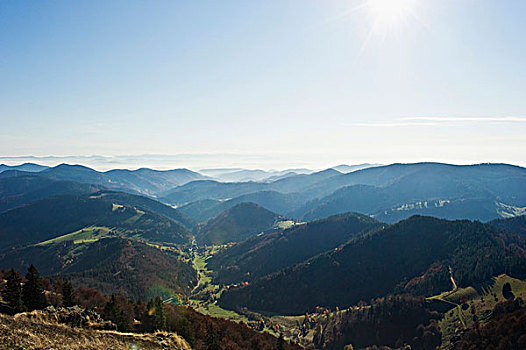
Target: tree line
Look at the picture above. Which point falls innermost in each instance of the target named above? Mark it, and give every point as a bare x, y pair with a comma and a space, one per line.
202, 332
27, 295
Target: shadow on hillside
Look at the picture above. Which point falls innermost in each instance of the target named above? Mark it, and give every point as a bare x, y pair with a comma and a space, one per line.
484, 287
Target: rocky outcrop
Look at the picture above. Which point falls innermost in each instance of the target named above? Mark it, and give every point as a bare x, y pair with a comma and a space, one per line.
73, 316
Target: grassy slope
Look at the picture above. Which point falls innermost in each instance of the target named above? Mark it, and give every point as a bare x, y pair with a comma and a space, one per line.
57, 216
201, 302
85, 235
482, 301
200, 294
20, 333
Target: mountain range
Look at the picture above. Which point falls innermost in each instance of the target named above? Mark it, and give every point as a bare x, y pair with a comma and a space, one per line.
29, 167
388, 193
274, 243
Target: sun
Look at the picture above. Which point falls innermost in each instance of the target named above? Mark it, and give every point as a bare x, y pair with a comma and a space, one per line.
390, 15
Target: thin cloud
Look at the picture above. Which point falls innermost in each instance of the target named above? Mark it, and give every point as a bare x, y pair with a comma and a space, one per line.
470, 119
437, 121
394, 124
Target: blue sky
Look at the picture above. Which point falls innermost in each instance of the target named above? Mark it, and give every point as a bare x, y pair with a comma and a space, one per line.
299, 83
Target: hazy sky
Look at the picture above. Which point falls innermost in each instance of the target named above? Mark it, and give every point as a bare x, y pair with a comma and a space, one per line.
304, 83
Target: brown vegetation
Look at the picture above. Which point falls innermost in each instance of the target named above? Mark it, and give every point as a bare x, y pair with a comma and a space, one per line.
23, 333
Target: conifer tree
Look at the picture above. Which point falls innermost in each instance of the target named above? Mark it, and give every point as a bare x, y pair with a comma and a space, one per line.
68, 294
156, 315
114, 312
33, 291
507, 292
160, 317
12, 294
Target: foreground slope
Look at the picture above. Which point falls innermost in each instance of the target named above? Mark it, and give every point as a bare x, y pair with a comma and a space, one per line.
413, 255
23, 333
271, 252
237, 224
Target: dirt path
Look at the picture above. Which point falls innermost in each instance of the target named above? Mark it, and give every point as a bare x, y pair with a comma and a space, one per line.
455, 287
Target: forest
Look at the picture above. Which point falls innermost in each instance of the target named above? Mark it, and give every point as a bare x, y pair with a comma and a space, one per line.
202, 332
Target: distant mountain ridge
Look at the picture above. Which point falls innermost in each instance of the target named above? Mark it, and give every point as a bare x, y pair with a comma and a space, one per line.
442, 190
197, 190
390, 193
344, 168
244, 175
29, 167
20, 190
145, 181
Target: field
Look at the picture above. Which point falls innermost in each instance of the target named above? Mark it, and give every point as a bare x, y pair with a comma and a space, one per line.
509, 211
137, 216
206, 293
84, 235
478, 305
285, 224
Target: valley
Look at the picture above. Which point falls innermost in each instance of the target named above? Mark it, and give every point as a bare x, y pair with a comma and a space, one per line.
263, 175
405, 254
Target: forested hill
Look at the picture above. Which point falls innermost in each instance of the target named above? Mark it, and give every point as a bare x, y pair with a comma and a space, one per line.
111, 264
515, 225
146, 203
145, 181
264, 254
20, 190
413, 255
53, 217
243, 221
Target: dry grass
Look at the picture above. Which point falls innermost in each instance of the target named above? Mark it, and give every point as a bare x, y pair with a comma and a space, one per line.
17, 333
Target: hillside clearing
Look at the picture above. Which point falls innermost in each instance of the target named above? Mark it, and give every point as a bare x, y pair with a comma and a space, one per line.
85, 235
479, 305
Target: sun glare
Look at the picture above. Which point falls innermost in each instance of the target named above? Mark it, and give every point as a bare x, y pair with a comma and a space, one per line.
390, 15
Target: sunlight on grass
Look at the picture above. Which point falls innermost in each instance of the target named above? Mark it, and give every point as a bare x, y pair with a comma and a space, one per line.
85, 235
